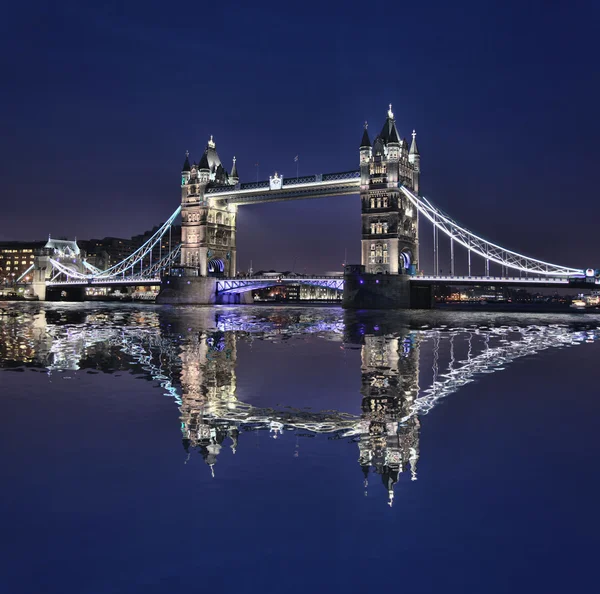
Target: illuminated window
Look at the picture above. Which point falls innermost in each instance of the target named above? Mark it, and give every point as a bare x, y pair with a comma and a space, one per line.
385, 202
385, 253
372, 202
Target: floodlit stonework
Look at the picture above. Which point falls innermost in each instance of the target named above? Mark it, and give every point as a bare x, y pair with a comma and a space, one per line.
390, 241
208, 227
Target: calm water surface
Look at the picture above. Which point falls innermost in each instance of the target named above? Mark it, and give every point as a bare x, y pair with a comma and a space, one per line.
160, 449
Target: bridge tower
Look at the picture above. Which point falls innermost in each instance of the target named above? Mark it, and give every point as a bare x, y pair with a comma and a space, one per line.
208, 228
390, 242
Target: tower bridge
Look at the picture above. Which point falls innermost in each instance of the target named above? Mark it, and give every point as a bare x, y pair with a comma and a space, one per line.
203, 268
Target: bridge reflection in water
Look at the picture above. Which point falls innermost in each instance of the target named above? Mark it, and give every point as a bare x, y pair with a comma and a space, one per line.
406, 368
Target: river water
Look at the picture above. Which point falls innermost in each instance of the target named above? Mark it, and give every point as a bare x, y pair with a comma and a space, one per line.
161, 449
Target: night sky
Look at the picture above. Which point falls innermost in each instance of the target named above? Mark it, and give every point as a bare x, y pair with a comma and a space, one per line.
100, 101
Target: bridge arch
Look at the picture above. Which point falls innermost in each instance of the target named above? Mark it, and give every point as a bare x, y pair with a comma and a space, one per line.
407, 258
216, 266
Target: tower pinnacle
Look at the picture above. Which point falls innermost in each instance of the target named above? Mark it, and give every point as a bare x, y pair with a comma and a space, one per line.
390, 113
366, 141
211, 142
414, 149
186, 164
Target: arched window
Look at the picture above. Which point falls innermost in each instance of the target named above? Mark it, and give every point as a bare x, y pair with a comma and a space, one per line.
385, 253
378, 201
373, 228
219, 218
385, 227
372, 202
385, 202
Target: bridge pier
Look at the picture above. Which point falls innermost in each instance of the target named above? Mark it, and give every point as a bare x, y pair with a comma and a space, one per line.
188, 290
383, 291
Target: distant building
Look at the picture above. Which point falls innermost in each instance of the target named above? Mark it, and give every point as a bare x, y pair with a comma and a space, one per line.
15, 258
316, 293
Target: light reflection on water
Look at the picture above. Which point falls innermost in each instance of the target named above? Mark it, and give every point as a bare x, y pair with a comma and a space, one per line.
408, 362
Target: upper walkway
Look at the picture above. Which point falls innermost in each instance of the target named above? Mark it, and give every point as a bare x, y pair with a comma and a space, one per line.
279, 189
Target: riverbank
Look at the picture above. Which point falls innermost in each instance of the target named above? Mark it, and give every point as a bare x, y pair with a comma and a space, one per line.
515, 307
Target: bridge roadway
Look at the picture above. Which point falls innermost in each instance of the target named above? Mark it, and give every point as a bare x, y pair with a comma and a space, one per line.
241, 285
294, 188
99, 282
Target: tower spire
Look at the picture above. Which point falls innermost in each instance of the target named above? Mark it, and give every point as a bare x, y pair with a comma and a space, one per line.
186, 164
365, 142
414, 149
234, 172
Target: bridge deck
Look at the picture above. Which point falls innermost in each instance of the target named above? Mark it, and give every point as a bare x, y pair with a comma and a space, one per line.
237, 285
122, 282
302, 188
539, 281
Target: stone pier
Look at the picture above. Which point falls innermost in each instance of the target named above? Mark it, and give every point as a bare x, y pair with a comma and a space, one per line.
383, 291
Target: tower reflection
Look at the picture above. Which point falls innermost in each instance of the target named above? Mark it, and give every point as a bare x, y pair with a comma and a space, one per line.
192, 355
389, 386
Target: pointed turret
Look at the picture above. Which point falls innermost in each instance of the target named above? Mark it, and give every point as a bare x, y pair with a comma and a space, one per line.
234, 177
204, 165
366, 141
386, 131
414, 158
213, 157
186, 164
414, 149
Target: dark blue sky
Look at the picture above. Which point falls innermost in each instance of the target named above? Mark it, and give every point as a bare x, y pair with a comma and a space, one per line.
100, 101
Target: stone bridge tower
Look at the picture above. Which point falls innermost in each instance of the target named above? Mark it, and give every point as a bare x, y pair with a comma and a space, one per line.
207, 227
390, 242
